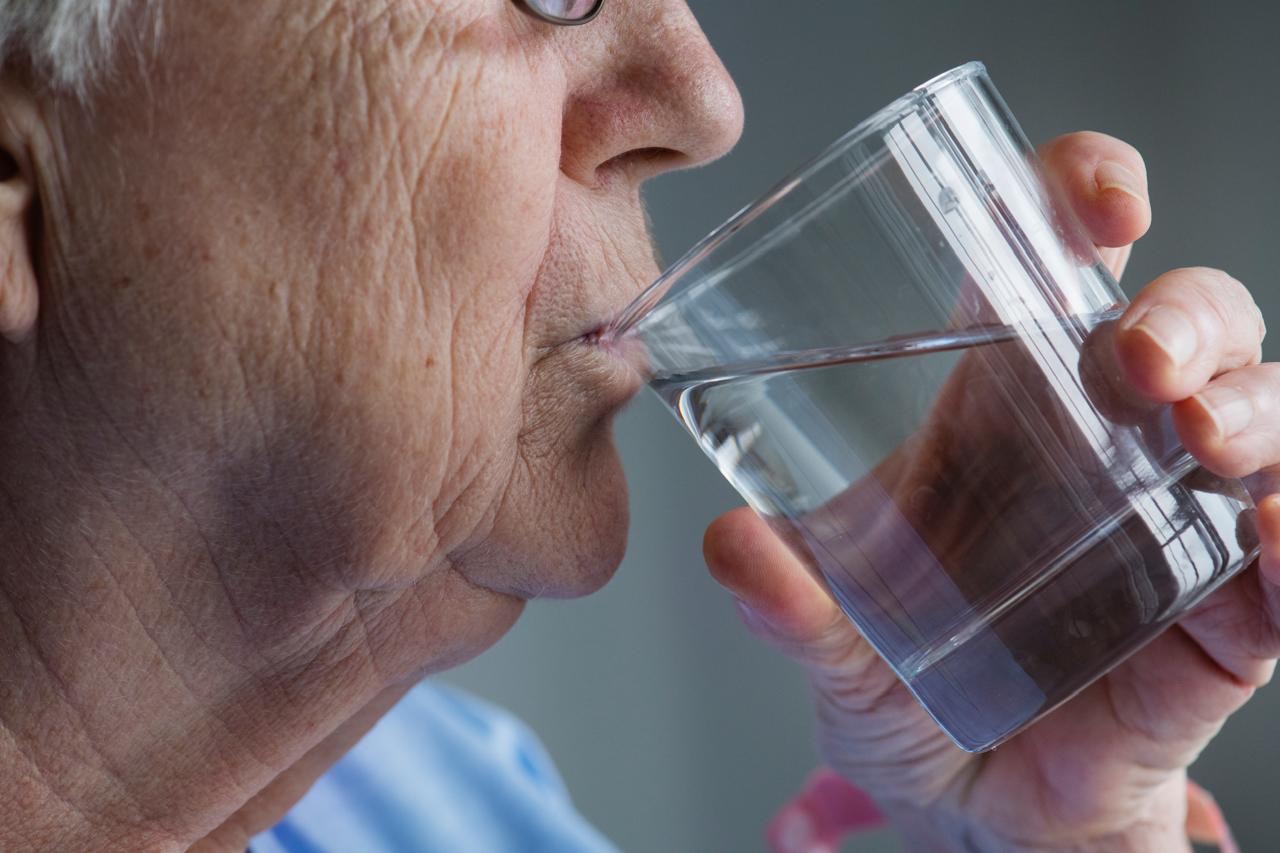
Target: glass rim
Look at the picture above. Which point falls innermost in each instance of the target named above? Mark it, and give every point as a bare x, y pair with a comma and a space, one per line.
884, 117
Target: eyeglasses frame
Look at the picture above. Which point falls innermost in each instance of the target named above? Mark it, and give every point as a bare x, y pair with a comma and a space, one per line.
533, 10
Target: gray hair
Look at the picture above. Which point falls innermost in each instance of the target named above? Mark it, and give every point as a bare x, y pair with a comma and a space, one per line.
66, 41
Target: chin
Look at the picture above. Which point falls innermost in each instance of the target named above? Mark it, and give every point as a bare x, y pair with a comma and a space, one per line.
592, 534
562, 533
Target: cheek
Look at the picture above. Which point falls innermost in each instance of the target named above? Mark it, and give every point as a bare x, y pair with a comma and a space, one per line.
363, 246
486, 210
441, 216
430, 176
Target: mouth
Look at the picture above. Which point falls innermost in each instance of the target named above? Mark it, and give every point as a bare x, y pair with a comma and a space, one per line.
609, 369
611, 338
626, 351
602, 357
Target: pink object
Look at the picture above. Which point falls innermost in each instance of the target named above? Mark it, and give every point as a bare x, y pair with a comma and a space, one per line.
830, 808
821, 815
1205, 821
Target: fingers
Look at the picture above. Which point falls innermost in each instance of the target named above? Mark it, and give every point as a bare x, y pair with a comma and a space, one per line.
869, 725
1183, 329
1238, 627
785, 604
1268, 521
1105, 182
1105, 382
783, 599
1158, 721
1232, 425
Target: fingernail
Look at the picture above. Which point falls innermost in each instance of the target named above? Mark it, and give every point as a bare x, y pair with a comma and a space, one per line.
1230, 409
1110, 175
1172, 331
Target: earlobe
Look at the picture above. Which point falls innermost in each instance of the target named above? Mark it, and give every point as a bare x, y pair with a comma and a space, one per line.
19, 293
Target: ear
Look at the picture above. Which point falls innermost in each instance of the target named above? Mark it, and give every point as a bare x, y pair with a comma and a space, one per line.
19, 293
24, 149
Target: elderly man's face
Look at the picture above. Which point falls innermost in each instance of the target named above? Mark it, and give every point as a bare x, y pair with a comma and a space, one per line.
345, 253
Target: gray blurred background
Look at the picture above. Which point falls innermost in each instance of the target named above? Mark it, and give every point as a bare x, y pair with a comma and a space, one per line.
675, 730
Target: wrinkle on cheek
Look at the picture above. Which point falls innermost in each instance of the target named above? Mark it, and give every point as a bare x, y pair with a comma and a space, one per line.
603, 263
363, 57
552, 248
504, 243
471, 418
417, 202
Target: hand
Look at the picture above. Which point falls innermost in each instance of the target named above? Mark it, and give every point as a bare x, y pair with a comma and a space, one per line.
1107, 771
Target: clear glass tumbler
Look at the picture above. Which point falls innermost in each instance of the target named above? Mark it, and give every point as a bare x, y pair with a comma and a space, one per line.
901, 358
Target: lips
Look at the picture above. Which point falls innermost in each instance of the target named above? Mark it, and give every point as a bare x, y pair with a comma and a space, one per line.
585, 286
591, 379
588, 278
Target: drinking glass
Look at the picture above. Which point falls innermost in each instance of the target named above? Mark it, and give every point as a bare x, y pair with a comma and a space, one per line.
901, 358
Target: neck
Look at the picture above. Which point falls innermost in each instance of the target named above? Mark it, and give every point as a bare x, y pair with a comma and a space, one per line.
136, 701
167, 655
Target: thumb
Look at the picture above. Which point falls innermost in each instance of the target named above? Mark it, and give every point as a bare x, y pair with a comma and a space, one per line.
779, 597
870, 728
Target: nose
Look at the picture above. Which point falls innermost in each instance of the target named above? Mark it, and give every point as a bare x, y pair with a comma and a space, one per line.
647, 94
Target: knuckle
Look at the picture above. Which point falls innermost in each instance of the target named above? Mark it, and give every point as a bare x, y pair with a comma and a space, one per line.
1225, 301
1229, 286
1265, 394
856, 691
1211, 281
1215, 303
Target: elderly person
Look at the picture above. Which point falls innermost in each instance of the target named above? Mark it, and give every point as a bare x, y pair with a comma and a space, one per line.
300, 403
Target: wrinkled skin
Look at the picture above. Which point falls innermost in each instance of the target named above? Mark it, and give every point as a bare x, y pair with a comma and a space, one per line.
297, 401
296, 398
1107, 770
